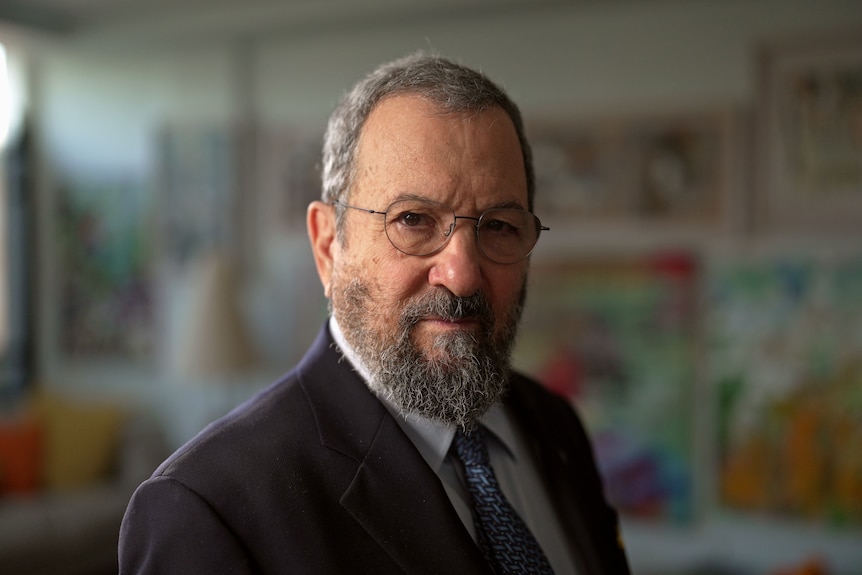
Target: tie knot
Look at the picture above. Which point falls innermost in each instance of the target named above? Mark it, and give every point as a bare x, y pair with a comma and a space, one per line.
471, 447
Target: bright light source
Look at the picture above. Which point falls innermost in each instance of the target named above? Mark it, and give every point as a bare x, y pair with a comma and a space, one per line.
5, 114
13, 94
5, 98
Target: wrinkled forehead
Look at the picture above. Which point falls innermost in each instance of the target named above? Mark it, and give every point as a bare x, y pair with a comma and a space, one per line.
410, 146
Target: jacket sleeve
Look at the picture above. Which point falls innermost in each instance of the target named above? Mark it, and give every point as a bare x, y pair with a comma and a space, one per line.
169, 529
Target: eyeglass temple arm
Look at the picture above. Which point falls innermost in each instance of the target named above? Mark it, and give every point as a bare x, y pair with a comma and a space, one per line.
366, 210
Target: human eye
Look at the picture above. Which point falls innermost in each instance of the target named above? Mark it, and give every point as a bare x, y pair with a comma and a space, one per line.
503, 223
414, 227
412, 219
413, 216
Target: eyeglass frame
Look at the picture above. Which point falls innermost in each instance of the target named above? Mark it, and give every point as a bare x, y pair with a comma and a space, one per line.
539, 227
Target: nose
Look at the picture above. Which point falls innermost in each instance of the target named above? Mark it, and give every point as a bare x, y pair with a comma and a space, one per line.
457, 266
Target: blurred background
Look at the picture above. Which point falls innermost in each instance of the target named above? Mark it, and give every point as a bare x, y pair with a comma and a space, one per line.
698, 298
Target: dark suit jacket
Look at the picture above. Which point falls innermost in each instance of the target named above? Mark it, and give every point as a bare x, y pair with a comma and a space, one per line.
313, 475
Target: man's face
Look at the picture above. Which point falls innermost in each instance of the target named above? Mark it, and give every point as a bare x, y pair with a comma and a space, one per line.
435, 331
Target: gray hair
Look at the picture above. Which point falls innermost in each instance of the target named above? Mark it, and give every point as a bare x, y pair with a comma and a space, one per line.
451, 86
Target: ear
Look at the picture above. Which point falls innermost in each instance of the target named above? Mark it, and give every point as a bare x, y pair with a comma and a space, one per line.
320, 220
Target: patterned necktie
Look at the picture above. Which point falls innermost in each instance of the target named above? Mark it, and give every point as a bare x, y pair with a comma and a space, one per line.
504, 538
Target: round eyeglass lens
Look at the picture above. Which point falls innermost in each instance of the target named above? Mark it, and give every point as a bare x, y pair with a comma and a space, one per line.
506, 235
419, 227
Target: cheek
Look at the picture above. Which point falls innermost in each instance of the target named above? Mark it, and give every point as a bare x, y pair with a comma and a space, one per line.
505, 285
390, 276
401, 278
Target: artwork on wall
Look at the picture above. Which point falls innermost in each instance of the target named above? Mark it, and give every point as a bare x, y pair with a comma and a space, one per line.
672, 169
573, 172
105, 288
785, 362
678, 174
810, 136
616, 336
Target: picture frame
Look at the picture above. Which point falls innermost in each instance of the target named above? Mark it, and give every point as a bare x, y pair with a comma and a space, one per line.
668, 171
809, 134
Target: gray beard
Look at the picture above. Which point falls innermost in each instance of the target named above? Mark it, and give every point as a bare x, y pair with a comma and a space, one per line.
469, 372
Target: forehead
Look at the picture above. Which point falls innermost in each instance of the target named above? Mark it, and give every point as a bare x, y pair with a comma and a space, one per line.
408, 146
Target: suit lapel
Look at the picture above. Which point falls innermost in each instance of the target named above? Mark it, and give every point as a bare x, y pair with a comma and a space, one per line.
399, 500
393, 494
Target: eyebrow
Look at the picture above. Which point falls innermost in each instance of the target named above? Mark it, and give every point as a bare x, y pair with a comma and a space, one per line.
408, 196
514, 204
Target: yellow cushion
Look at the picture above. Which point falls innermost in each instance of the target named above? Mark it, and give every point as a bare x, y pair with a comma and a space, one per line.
80, 441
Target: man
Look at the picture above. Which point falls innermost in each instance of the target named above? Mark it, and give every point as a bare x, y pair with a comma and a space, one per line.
360, 460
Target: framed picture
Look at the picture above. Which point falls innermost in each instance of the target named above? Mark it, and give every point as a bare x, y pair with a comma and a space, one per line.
616, 337
105, 289
809, 174
675, 168
575, 175
784, 364
651, 170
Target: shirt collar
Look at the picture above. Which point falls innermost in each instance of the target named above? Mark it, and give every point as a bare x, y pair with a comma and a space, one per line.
432, 438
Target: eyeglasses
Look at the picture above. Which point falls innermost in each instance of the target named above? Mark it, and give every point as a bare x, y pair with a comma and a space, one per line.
419, 227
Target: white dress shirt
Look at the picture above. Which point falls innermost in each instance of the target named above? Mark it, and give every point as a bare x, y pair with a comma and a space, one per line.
512, 463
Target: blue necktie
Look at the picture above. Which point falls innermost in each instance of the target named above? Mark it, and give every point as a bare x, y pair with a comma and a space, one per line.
503, 537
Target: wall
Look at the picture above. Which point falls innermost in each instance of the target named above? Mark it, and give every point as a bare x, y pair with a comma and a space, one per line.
102, 104
588, 58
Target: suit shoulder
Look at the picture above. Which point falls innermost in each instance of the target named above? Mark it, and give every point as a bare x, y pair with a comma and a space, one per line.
540, 409
272, 417
525, 388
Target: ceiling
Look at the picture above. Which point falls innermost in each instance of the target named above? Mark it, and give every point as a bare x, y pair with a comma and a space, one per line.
69, 17
162, 24
133, 24
81, 17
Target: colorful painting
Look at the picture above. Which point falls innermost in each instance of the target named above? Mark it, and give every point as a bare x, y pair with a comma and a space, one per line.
616, 337
785, 343
106, 292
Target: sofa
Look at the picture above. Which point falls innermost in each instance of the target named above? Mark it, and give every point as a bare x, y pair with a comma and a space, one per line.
67, 470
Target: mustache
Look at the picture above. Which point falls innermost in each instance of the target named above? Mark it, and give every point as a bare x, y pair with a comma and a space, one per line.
445, 305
